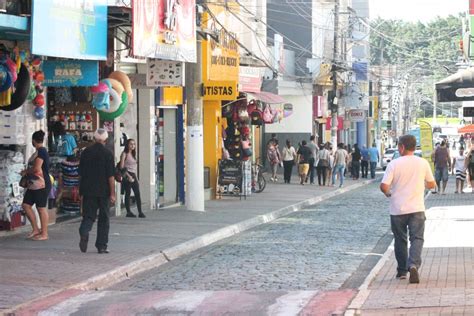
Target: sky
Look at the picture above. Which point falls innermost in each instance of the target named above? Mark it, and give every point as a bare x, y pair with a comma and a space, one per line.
414, 10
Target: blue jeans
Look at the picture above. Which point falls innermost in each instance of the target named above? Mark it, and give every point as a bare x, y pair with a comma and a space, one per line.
415, 225
338, 169
373, 166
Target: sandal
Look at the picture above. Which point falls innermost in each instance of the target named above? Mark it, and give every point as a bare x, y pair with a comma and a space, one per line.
40, 238
33, 235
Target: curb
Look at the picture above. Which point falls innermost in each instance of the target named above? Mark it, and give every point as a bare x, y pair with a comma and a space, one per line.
144, 264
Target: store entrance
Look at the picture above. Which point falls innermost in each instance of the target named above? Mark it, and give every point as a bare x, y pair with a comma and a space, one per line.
167, 175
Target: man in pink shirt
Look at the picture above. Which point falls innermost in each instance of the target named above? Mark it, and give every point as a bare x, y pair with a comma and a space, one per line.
404, 182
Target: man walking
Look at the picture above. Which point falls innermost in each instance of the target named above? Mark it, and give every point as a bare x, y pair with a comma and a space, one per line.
341, 158
304, 155
97, 189
313, 161
404, 182
365, 161
442, 162
374, 158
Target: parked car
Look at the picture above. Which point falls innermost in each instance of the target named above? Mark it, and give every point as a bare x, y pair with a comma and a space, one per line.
396, 154
387, 157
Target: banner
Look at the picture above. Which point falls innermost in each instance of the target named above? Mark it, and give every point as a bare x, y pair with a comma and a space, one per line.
70, 29
426, 142
70, 73
165, 29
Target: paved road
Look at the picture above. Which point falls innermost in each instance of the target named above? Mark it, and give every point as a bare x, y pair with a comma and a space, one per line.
299, 264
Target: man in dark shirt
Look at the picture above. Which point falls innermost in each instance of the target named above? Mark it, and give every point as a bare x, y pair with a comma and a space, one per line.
97, 189
442, 162
304, 156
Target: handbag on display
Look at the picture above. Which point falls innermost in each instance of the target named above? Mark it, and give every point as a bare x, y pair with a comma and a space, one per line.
243, 114
267, 115
252, 106
256, 117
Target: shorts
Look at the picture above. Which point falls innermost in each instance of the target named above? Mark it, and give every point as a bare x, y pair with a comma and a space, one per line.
441, 174
38, 197
303, 168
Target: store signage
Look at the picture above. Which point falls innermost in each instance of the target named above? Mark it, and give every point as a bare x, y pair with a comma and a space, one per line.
250, 79
165, 29
426, 141
356, 115
468, 111
220, 54
70, 29
70, 73
220, 90
162, 73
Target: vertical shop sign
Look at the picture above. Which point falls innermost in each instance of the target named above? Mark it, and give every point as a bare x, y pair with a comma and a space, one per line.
426, 142
165, 29
69, 73
162, 73
70, 29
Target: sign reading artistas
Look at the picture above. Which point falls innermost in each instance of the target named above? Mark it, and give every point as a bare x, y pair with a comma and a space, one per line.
165, 29
78, 27
68, 73
220, 90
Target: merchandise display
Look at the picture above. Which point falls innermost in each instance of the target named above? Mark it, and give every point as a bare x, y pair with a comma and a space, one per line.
11, 194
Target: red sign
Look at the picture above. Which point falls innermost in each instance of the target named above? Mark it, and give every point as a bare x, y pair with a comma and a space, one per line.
340, 123
471, 7
165, 29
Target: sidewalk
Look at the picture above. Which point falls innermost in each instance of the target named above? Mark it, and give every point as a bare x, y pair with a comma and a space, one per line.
447, 272
31, 269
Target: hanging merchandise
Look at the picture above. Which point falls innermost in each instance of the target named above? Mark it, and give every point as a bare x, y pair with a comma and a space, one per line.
62, 95
111, 95
256, 117
267, 115
39, 113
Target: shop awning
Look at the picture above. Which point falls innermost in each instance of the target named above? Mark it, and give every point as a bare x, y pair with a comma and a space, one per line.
457, 87
13, 27
466, 129
266, 97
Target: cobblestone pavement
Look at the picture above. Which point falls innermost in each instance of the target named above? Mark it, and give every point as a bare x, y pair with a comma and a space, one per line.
318, 248
296, 265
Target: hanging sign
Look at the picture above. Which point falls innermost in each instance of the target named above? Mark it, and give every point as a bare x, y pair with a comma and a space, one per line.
70, 29
220, 90
164, 73
426, 142
68, 73
165, 29
357, 115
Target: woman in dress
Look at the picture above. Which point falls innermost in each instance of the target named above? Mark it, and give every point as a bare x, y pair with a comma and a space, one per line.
38, 185
128, 163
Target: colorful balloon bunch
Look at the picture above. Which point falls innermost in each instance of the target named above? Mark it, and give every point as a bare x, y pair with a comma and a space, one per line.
14, 81
111, 95
36, 89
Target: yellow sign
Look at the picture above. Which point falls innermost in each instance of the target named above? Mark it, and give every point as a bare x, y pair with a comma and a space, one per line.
220, 90
426, 142
172, 96
220, 55
375, 107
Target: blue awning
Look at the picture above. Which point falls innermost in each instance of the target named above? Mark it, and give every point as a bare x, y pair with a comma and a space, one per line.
13, 27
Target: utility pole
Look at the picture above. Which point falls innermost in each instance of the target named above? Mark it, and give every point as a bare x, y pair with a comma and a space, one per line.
379, 103
194, 135
334, 100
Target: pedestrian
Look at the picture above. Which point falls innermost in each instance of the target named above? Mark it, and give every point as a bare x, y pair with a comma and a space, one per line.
97, 191
330, 168
341, 157
313, 161
304, 156
470, 163
460, 164
364, 164
461, 141
274, 158
38, 186
288, 154
356, 156
374, 159
442, 162
323, 164
404, 183
129, 166
273, 140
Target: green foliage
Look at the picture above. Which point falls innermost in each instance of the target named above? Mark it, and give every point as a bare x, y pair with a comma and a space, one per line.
405, 44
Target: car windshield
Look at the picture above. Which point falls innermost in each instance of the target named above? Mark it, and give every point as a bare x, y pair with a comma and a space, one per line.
389, 151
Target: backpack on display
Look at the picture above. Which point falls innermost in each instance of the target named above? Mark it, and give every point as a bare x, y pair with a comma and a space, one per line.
268, 115
256, 117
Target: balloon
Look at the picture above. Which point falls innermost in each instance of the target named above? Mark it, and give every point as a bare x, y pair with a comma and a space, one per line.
39, 113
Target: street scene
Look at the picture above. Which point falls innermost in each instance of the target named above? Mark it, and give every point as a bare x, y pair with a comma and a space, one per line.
245, 157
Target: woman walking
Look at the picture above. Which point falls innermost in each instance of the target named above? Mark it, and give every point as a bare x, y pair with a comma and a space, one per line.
356, 156
128, 163
274, 158
459, 168
38, 185
323, 164
288, 154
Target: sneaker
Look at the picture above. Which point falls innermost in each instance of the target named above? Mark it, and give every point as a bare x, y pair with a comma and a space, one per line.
401, 275
414, 276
